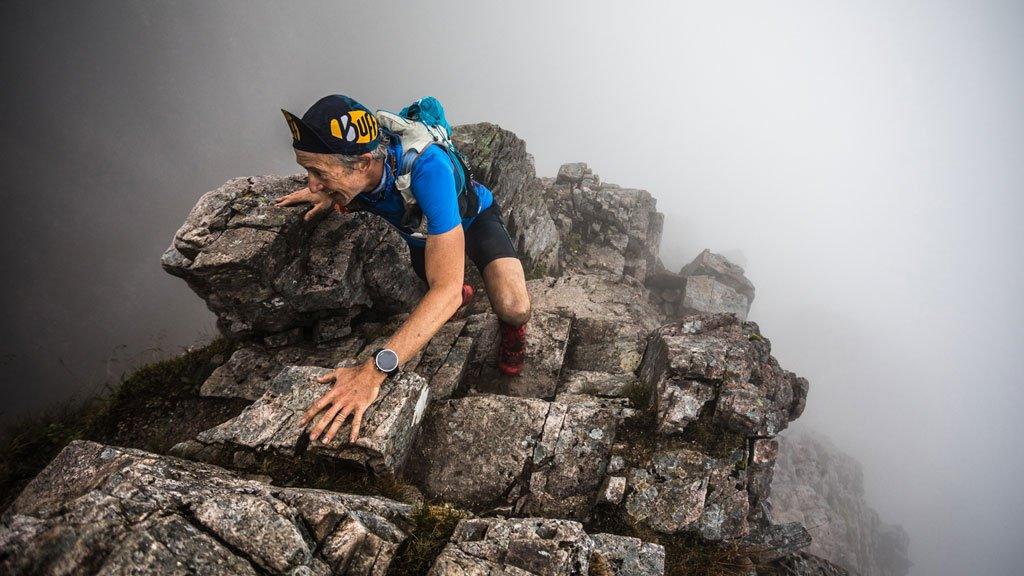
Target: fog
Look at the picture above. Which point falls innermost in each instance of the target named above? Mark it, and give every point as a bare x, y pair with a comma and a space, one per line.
862, 160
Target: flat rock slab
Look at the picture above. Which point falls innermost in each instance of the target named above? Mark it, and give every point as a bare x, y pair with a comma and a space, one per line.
272, 423
108, 510
250, 369
488, 451
534, 546
547, 336
622, 299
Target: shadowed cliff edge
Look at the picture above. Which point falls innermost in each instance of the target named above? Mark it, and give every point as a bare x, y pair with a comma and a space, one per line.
640, 438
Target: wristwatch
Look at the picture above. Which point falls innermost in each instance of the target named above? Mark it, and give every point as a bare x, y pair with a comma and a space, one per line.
386, 360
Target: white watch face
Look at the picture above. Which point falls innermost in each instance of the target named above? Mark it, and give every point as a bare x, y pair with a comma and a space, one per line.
386, 360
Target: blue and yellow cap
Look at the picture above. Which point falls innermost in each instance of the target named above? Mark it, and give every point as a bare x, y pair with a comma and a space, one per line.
336, 124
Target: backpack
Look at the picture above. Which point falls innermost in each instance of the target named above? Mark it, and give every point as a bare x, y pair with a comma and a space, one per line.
417, 126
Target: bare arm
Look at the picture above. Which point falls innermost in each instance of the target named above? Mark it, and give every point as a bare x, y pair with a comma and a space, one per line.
356, 388
445, 267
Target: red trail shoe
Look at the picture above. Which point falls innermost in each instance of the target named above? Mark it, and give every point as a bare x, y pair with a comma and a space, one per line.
467, 295
511, 348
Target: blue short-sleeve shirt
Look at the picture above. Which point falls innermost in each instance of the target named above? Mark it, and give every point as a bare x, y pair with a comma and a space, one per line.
433, 186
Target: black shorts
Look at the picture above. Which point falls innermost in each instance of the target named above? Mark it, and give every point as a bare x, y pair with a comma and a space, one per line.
487, 239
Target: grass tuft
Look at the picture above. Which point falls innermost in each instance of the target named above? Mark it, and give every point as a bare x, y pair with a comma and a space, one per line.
434, 524
28, 444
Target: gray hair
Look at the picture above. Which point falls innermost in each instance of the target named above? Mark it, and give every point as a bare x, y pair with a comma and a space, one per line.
380, 152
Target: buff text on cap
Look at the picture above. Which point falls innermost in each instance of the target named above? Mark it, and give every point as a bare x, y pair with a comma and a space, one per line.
336, 124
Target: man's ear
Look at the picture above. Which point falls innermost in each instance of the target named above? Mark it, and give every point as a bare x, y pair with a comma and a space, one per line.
366, 161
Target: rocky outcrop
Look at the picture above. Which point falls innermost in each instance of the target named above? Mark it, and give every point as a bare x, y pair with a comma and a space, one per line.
708, 284
818, 485
605, 229
104, 510
264, 270
647, 403
499, 159
523, 454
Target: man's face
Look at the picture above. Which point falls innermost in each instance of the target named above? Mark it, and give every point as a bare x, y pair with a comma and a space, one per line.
327, 174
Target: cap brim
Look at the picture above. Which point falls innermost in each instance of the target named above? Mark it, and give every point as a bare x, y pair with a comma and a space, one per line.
303, 137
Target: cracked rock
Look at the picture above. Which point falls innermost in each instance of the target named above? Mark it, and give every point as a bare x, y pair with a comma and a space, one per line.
552, 547
484, 451
101, 509
756, 397
272, 423
263, 270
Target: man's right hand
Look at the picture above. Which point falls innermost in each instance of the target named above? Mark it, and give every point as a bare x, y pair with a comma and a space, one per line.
320, 200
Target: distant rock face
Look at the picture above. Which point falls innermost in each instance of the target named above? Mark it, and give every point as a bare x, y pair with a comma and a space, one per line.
103, 510
817, 484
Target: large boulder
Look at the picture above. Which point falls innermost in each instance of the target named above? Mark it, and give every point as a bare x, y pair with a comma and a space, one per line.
708, 284
263, 269
107, 510
488, 451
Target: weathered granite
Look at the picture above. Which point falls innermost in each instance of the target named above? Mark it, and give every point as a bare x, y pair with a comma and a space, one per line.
107, 510
755, 396
552, 547
272, 423
263, 269
485, 451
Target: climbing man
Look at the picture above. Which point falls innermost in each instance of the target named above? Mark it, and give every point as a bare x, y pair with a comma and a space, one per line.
358, 161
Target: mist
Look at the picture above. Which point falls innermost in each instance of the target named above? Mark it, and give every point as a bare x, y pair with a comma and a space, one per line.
861, 160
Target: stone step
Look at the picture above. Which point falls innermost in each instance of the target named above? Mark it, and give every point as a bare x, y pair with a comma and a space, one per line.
109, 510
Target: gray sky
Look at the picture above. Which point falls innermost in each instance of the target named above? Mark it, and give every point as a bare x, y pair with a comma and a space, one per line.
863, 157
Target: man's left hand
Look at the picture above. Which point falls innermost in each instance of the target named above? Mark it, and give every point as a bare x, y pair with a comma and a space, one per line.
353, 391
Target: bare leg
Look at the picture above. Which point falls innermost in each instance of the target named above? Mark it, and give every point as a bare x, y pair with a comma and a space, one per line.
506, 289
